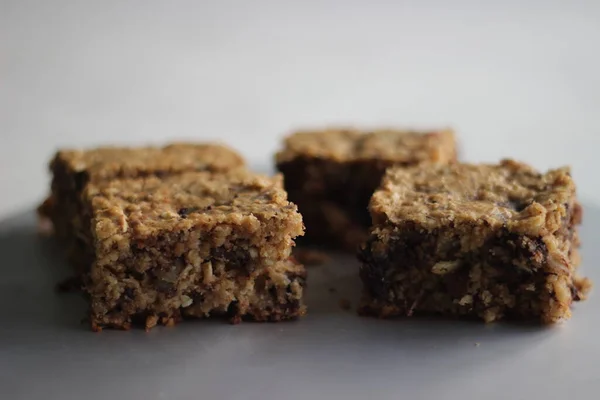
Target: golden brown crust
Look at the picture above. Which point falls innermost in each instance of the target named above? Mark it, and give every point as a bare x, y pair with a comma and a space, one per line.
130, 162
346, 145
142, 207
510, 193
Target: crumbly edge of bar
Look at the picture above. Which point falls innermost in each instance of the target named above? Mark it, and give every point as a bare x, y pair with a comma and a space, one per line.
64, 209
60, 206
510, 275
273, 293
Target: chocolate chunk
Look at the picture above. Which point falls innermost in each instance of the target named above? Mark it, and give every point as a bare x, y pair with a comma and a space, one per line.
291, 307
136, 275
517, 204
260, 283
233, 309
457, 284
574, 293
234, 259
129, 293
273, 292
167, 288
185, 211
80, 179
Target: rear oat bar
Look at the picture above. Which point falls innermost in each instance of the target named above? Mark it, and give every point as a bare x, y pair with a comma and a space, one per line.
73, 169
331, 175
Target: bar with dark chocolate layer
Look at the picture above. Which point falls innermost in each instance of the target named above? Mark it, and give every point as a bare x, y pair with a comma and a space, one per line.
332, 174
482, 241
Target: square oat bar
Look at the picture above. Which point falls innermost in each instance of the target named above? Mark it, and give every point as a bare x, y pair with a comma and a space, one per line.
486, 241
73, 169
332, 174
194, 244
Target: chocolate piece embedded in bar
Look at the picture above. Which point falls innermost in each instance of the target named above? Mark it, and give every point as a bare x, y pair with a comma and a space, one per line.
332, 174
193, 244
486, 241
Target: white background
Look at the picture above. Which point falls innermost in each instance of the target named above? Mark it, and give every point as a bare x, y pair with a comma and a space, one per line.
515, 78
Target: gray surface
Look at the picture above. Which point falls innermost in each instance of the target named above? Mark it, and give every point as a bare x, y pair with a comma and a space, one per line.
46, 353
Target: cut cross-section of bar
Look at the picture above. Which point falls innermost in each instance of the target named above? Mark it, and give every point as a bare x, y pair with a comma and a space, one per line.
194, 244
486, 241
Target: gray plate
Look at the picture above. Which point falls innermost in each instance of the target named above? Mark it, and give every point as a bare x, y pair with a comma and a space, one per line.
46, 353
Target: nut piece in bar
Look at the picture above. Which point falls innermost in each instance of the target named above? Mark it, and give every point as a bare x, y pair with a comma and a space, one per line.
73, 169
484, 241
332, 174
194, 244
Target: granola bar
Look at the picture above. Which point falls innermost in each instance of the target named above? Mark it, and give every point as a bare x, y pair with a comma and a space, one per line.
194, 244
332, 174
73, 169
484, 241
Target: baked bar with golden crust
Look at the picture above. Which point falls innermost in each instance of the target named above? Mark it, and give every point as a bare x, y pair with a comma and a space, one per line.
193, 244
485, 241
331, 175
73, 169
